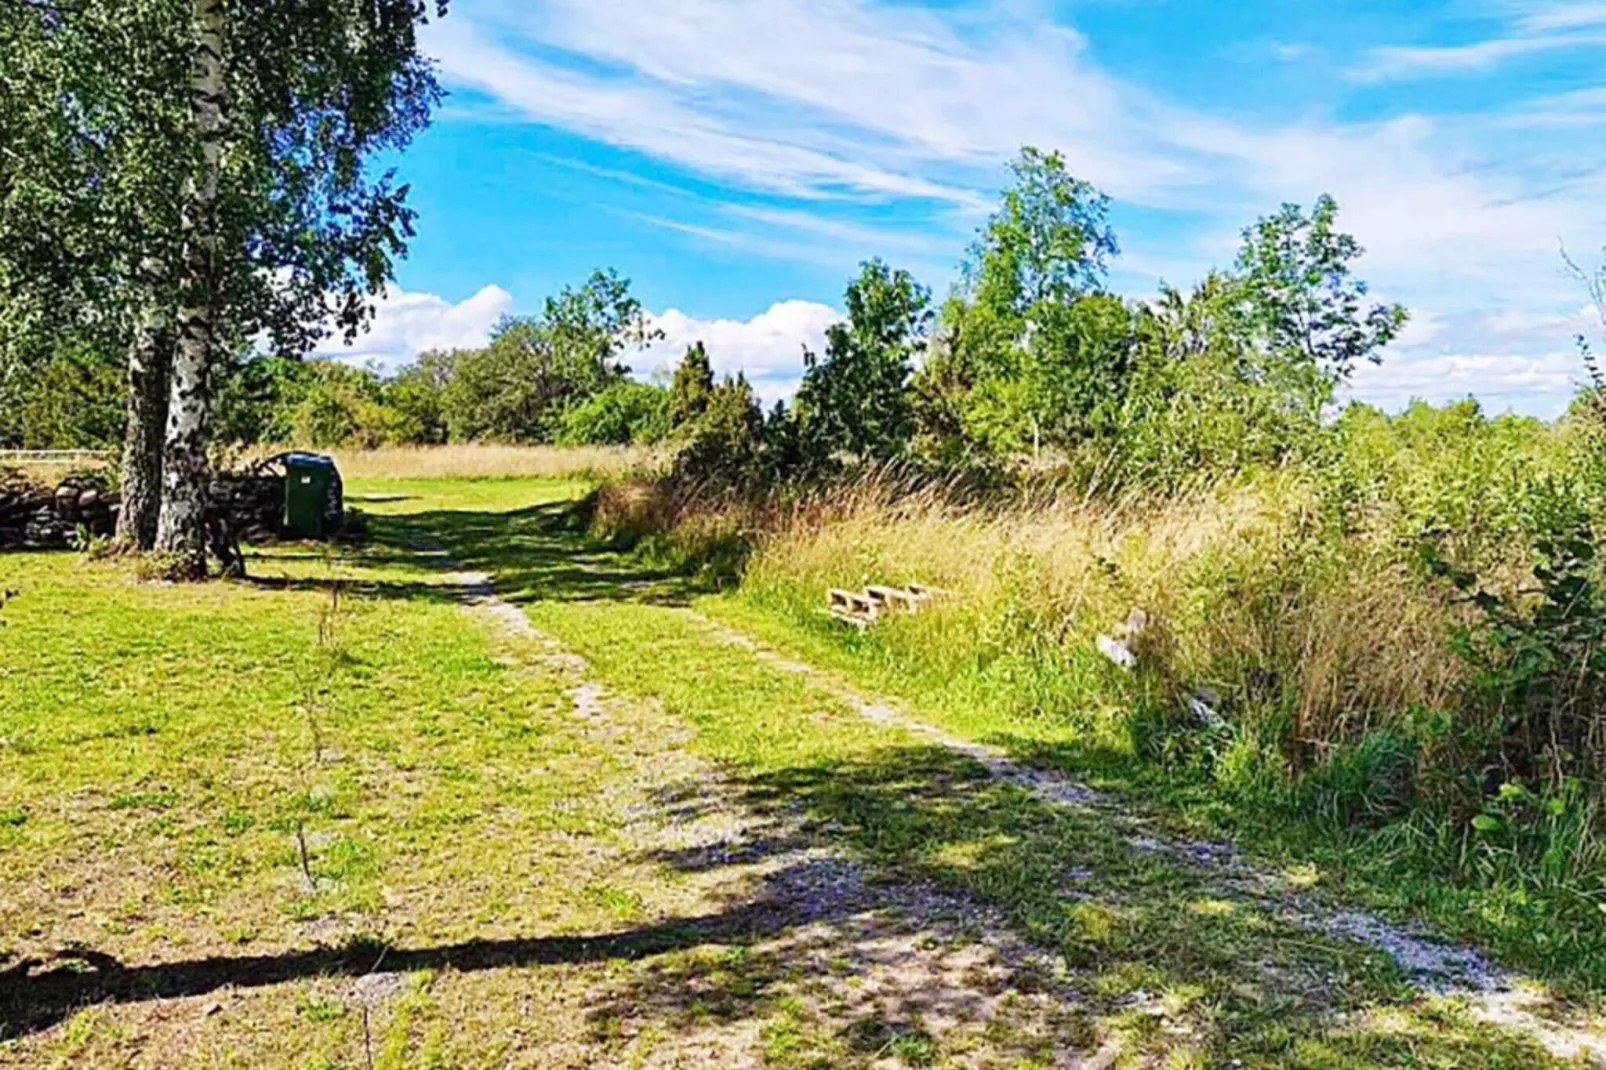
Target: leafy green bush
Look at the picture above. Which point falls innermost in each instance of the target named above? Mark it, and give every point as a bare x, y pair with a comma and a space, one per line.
620, 414
1540, 651
724, 449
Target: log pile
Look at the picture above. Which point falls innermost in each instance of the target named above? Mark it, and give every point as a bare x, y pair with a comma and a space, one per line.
252, 503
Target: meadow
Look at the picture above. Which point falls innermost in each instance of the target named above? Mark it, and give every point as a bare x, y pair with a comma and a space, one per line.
357, 814
1386, 660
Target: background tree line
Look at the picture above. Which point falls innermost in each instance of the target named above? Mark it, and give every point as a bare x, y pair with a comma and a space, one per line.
1030, 361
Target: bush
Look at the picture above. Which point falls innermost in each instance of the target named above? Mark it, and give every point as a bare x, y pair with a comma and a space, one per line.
621, 414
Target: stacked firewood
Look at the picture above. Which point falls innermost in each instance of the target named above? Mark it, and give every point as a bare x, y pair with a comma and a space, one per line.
33, 515
252, 504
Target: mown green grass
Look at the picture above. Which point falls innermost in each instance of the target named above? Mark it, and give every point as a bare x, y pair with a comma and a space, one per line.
1403, 867
191, 776
238, 797
1237, 983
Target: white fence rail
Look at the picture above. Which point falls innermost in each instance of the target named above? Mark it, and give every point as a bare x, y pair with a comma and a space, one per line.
68, 457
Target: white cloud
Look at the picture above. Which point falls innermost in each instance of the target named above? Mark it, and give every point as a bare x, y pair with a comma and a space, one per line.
406, 324
826, 102
653, 119
768, 348
1532, 28
1403, 62
1538, 385
811, 98
1292, 52
1583, 107
1418, 203
831, 98
1513, 358
1548, 17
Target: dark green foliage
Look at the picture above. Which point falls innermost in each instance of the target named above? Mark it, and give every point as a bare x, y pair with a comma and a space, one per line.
74, 400
417, 393
1033, 365
275, 400
549, 378
856, 401
1049, 242
1540, 653
725, 447
693, 385
518, 388
255, 400
1298, 296
506, 391
1365, 783
90, 226
1029, 353
1203, 400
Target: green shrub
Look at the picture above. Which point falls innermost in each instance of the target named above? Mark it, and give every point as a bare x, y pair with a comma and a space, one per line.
623, 413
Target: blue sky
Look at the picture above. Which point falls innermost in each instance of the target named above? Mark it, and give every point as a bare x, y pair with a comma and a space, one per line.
738, 158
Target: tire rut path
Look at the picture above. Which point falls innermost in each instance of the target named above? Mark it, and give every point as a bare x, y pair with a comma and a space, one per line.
1435, 966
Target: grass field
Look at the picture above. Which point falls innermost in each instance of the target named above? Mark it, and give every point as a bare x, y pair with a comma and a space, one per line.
352, 813
489, 461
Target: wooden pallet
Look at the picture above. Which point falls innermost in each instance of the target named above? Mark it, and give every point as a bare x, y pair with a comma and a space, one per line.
863, 609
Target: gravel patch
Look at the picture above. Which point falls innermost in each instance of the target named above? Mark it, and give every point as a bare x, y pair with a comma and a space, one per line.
1435, 967
858, 961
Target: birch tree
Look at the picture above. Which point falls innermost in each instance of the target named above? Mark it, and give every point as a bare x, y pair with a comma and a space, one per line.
220, 192
88, 136
181, 521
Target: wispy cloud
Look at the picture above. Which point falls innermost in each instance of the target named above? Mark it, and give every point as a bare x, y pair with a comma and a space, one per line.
1401, 62
823, 112
1292, 52
816, 98
653, 120
1550, 17
1584, 107
1530, 29
747, 240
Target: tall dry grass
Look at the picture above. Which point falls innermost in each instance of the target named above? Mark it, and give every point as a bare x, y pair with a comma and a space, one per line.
489, 461
1248, 591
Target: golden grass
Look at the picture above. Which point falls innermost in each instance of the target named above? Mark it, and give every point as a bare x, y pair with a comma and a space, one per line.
1247, 591
48, 473
488, 461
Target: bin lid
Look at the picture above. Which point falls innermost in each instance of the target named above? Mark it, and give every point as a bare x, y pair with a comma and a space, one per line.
308, 460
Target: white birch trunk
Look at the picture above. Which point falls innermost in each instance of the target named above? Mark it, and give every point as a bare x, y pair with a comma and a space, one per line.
181, 527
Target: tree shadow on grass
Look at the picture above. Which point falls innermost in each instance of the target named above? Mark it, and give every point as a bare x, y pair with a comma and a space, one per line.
36, 994
1173, 955
534, 554
1156, 952
382, 590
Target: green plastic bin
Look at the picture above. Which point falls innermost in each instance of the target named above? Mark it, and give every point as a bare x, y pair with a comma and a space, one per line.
311, 483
